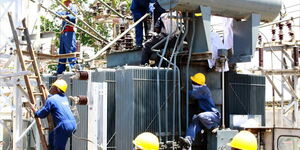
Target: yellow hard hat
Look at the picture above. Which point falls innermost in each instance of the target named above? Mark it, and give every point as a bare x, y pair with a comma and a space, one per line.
62, 1
146, 141
199, 78
244, 140
61, 84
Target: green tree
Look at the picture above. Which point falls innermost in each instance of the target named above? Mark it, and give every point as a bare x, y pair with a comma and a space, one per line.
86, 40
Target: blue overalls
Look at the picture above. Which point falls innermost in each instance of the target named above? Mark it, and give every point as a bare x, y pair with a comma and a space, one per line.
208, 118
65, 123
67, 40
139, 8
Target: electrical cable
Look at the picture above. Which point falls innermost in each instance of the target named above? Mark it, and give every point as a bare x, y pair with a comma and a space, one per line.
76, 113
187, 72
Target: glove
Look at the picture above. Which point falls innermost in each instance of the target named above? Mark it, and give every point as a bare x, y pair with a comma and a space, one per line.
151, 7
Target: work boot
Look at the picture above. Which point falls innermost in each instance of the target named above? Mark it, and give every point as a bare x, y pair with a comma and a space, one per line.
185, 143
137, 48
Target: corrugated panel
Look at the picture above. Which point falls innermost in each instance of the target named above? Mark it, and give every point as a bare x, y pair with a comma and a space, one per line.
245, 91
79, 87
108, 75
136, 103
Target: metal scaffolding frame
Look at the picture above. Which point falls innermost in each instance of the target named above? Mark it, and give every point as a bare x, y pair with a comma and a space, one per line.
289, 75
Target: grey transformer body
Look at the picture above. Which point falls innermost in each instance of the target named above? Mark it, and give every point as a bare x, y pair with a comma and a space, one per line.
238, 9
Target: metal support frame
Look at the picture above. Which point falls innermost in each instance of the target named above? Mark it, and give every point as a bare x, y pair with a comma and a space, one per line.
245, 35
289, 80
17, 113
202, 31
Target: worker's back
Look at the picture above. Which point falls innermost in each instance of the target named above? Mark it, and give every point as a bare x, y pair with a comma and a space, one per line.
203, 95
60, 109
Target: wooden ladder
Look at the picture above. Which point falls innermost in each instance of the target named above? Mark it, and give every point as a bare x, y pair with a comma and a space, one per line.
32, 92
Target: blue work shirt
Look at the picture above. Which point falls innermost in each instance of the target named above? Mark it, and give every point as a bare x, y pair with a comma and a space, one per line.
70, 17
140, 5
58, 106
203, 95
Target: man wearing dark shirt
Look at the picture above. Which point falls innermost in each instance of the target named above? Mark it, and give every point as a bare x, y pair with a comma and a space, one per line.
164, 26
208, 118
139, 8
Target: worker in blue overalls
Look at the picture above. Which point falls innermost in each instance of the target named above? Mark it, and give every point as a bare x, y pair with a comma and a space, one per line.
139, 8
58, 105
208, 118
67, 38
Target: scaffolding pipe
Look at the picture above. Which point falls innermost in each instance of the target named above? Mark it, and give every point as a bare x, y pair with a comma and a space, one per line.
116, 39
73, 24
187, 73
25, 132
113, 10
86, 24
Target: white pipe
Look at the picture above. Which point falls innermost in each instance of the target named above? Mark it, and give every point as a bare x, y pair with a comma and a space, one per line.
25, 132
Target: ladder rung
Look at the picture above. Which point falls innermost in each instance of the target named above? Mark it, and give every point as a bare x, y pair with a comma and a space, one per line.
23, 44
28, 61
38, 94
20, 28
33, 77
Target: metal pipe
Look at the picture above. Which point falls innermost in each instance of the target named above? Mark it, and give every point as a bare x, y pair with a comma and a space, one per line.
296, 56
73, 24
223, 96
113, 10
86, 24
157, 83
174, 78
187, 73
166, 89
179, 84
25, 132
261, 57
116, 39
174, 94
282, 90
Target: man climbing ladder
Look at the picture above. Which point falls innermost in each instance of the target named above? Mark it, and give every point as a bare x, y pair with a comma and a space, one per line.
58, 105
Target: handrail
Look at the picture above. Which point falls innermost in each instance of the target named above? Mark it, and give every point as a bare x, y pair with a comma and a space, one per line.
25, 132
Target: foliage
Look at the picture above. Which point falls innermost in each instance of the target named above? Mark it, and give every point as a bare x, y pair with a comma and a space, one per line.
85, 39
